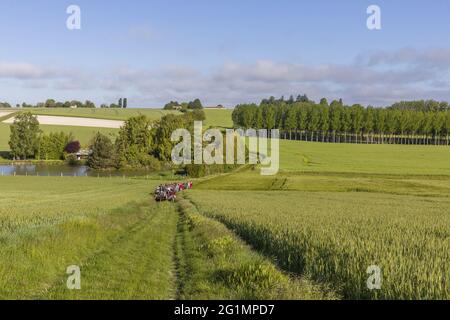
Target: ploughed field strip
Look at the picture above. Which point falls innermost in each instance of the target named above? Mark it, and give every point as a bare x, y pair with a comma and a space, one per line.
75, 121
4, 114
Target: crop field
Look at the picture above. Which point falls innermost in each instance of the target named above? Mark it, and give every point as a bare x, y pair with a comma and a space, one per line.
126, 245
332, 218
335, 237
48, 224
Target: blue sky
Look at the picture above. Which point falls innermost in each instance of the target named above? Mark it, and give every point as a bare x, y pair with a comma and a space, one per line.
223, 51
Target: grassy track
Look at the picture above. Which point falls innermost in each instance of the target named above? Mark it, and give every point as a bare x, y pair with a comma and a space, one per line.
137, 264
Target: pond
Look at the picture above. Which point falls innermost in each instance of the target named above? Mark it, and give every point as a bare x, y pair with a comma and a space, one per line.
61, 170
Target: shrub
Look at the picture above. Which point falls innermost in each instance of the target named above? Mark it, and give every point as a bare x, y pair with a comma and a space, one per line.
24, 138
72, 160
52, 146
73, 147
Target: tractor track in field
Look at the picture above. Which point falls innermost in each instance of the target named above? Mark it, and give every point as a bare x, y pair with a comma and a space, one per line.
104, 249
178, 253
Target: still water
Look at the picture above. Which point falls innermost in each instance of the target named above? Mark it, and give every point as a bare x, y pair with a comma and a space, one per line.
60, 170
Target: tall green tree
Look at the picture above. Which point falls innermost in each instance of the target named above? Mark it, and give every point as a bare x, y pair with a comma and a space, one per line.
134, 143
196, 104
447, 125
324, 120
163, 133
313, 121
346, 122
291, 120
24, 137
335, 118
369, 122
357, 120
302, 119
102, 152
269, 117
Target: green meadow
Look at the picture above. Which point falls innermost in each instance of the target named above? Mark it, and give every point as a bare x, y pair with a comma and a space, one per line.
360, 158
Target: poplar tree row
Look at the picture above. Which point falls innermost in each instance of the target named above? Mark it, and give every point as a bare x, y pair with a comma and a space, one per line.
415, 122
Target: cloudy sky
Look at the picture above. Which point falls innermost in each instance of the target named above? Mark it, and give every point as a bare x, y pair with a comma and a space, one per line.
224, 51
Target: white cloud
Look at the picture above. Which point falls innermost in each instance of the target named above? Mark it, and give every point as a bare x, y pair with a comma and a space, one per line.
378, 78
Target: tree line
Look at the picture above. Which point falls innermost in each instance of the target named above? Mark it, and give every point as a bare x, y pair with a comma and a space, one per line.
184, 106
51, 103
414, 122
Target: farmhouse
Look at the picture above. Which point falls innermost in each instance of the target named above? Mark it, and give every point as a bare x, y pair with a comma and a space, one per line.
219, 106
83, 154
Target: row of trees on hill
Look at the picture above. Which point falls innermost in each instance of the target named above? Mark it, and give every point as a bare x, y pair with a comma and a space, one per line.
184, 106
4, 105
122, 104
51, 103
403, 123
421, 105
